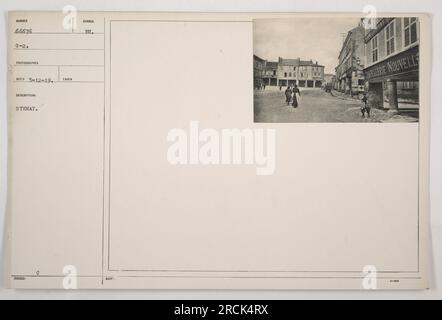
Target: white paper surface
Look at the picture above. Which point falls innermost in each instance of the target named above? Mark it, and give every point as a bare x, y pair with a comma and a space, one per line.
90, 185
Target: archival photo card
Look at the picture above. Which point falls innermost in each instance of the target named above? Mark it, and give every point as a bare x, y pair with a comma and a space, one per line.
156, 150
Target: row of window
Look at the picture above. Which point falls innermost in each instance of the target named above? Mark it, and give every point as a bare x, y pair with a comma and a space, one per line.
410, 34
301, 74
306, 68
289, 74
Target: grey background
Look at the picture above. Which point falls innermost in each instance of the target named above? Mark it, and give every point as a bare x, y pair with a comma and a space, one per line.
431, 6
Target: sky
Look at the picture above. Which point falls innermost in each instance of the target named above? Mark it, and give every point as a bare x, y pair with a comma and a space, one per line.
318, 39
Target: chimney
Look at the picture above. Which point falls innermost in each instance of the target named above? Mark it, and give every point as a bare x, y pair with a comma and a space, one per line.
279, 59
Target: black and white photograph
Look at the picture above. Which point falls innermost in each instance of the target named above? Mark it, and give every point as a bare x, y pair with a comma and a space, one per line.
339, 69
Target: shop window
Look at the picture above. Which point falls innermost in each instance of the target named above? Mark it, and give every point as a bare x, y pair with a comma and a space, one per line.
389, 37
408, 85
408, 91
410, 31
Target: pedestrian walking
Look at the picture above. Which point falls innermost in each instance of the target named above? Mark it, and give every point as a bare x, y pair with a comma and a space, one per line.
295, 96
288, 95
365, 108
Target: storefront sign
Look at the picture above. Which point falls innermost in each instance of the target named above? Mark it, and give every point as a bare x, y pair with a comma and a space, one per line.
403, 62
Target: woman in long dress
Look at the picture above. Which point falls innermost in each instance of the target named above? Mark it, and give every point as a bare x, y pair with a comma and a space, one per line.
295, 96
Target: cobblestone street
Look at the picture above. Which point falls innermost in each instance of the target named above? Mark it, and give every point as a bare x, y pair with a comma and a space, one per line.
317, 105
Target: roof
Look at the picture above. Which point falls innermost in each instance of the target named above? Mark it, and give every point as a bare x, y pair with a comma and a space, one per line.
289, 62
381, 23
257, 58
298, 62
309, 63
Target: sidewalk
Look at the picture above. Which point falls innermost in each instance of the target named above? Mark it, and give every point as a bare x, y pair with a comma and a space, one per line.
343, 96
380, 115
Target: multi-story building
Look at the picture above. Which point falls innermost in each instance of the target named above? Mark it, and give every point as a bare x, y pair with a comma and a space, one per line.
329, 78
270, 77
287, 72
303, 73
392, 70
258, 71
349, 72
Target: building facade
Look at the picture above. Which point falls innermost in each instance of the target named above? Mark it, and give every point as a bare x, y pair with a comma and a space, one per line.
287, 72
258, 71
270, 77
329, 78
303, 73
392, 70
350, 69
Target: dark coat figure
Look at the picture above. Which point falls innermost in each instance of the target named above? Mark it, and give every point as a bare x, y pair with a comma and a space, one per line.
295, 92
288, 95
365, 107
